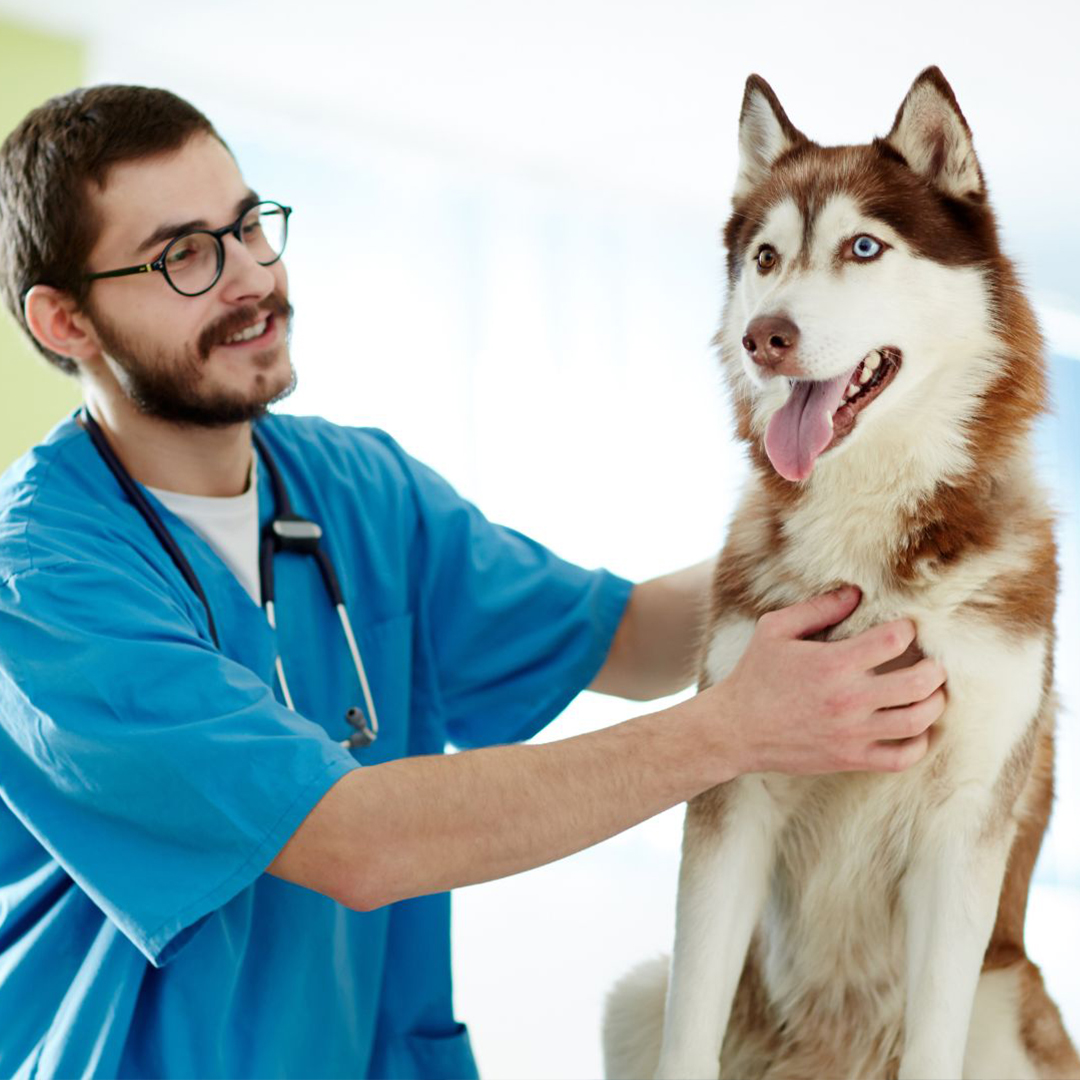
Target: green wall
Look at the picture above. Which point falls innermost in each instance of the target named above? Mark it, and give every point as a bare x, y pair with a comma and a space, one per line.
33, 395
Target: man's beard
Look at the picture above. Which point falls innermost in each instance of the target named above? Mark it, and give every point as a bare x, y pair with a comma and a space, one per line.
165, 384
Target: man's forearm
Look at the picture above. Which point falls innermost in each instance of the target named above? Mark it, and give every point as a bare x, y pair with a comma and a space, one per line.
789, 705
427, 824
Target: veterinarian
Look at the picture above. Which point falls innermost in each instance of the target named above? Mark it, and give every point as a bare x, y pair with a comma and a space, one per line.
208, 865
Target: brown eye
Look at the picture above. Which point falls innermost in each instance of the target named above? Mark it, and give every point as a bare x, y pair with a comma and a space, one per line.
766, 259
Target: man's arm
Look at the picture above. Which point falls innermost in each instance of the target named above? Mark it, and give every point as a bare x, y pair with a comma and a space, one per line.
655, 649
425, 824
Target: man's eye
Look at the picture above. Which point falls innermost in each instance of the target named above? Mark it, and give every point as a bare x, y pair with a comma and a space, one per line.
767, 258
866, 247
181, 253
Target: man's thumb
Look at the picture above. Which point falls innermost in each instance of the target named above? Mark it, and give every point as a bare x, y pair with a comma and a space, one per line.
802, 620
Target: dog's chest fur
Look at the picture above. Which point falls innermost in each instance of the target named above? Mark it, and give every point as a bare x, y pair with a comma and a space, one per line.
829, 949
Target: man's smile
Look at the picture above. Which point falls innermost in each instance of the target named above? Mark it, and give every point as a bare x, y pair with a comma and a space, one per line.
257, 335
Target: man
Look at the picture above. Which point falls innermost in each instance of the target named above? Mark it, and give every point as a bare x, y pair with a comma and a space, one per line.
197, 879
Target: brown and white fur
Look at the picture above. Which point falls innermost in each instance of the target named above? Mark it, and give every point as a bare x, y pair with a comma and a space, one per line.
871, 925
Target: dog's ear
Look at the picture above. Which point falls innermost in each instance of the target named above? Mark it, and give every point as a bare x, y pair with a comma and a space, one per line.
932, 135
765, 133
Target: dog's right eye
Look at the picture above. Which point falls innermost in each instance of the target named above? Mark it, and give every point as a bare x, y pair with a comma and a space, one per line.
767, 258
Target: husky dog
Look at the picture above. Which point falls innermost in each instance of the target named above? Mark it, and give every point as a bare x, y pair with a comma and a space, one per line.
886, 371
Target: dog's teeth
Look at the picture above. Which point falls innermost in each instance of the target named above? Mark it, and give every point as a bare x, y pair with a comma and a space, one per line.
852, 390
830, 422
865, 375
873, 360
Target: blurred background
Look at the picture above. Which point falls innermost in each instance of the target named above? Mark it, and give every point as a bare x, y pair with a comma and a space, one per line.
505, 251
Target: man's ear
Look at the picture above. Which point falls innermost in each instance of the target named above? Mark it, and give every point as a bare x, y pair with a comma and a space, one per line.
765, 132
57, 324
932, 135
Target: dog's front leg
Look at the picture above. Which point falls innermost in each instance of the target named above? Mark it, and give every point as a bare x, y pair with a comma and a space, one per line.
950, 899
727, 857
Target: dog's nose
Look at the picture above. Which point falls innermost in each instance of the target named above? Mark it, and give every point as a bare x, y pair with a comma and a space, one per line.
770, 340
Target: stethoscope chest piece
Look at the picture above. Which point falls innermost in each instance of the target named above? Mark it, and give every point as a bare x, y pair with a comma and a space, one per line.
362, 735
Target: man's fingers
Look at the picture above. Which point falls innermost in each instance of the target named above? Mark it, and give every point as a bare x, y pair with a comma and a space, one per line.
896, 756
880, 644
801, 620
909, 721
910, 685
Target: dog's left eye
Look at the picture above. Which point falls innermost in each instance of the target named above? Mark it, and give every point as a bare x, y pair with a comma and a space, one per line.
865, 247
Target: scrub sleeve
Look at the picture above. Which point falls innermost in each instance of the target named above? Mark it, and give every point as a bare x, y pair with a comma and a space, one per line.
510, 632
162, 776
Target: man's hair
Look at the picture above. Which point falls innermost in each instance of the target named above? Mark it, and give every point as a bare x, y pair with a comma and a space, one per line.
47, 164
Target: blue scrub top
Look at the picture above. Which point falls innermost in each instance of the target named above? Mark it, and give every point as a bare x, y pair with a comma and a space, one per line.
148, 779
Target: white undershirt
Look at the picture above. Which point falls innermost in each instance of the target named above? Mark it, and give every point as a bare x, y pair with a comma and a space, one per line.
230, 525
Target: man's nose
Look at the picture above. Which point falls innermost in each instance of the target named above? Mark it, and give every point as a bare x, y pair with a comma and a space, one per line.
770, 340
244, 275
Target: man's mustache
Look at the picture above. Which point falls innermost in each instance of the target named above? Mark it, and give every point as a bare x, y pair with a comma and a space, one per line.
219, 332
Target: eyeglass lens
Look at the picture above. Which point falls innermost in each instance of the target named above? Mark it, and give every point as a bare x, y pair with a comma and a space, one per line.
193, 261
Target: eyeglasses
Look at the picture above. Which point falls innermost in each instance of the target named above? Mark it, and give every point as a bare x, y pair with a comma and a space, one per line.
192, 263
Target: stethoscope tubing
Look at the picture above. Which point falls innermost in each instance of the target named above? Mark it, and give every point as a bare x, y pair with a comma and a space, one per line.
150, 516
285, 532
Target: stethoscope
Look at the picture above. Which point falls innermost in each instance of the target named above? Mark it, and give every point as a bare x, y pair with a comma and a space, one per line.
285, 531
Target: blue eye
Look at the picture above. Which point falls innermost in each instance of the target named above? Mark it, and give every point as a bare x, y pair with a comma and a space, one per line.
865, 247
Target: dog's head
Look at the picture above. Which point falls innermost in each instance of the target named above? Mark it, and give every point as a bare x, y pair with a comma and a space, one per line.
869, 303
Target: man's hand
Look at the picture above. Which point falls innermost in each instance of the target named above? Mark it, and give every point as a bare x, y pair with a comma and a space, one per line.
798, 706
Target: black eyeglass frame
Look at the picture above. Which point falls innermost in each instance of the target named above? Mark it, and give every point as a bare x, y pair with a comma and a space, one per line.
218, 235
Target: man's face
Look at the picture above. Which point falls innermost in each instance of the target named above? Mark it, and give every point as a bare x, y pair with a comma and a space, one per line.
167, 351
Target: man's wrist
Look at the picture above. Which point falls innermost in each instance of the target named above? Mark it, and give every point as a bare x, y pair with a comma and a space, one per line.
703, 731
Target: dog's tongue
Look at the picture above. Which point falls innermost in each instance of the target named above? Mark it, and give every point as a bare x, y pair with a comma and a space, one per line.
798, 433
